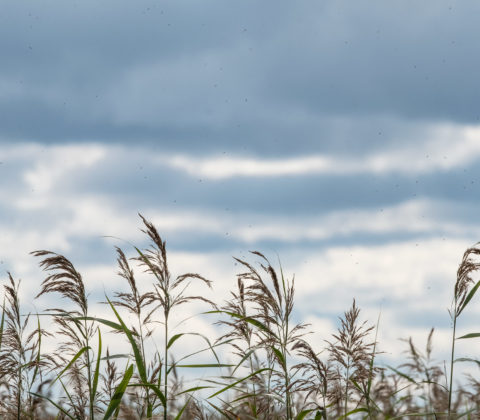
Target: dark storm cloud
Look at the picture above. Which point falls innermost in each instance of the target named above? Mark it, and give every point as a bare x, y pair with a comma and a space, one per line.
289, 77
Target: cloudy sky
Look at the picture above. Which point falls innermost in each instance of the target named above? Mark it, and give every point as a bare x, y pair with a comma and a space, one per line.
342, 136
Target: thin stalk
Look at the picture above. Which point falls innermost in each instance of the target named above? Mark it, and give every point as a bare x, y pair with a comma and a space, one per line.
284, 346
21, 358
89, 371
285, 370
347, 379
370, 373
450, 391
254, 408
142, 347
166, 367
325, 400
19, 390
269, 380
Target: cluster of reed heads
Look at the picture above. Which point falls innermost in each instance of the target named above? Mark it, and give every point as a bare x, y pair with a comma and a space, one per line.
270, 371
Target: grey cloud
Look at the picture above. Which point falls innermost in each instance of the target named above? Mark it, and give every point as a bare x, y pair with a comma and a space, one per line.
395, 58
203, 76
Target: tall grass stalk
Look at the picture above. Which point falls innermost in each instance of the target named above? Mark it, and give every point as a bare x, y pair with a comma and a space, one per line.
74, 325
351, 352
272, 300
463, 293
168, 293
21, 361
134, 302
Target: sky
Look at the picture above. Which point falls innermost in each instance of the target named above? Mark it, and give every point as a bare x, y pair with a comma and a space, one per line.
342, 138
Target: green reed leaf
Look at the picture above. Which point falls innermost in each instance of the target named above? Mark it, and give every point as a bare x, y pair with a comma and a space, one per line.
2, 323
79, 353
177, 417
467, 359
106, 322
118, 395
37, 366
60, 408
155, 389
356, 410
469, 297
97, 367
280, 357
250, 320
239, 381
403, 375
136, 352
205, 365
471, 335
173, 339
222, 412
195, 388
304, 413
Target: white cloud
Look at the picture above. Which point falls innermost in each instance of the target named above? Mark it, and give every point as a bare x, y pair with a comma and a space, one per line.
54, 163
400, 270
418, 216
447, 147
413, 276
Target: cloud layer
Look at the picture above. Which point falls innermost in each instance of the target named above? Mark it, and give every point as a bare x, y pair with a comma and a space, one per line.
343, 136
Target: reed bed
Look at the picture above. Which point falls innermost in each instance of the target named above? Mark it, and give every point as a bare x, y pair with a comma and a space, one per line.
273, 372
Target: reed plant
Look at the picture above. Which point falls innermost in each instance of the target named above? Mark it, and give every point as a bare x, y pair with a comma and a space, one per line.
21, 360
276, 374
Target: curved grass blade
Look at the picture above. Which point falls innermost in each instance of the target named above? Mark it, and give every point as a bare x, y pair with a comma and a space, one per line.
148, 263
205, 365
142, 371
37, 366
372, 364
67, 393
136, 352
155, 389
97, 367
435, 414
62, 410
244, 397
222, 412
304, 413
356, 410
173, 339
177, 336
245, 357
2, 322
280, 357
467, 413
469, 297
239, 381
248, 319
117, 356
79, 353
366, 394
196, 388
118, 395
106, 322
467, 359
403, 375
200, 351
471, 335
177, 417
